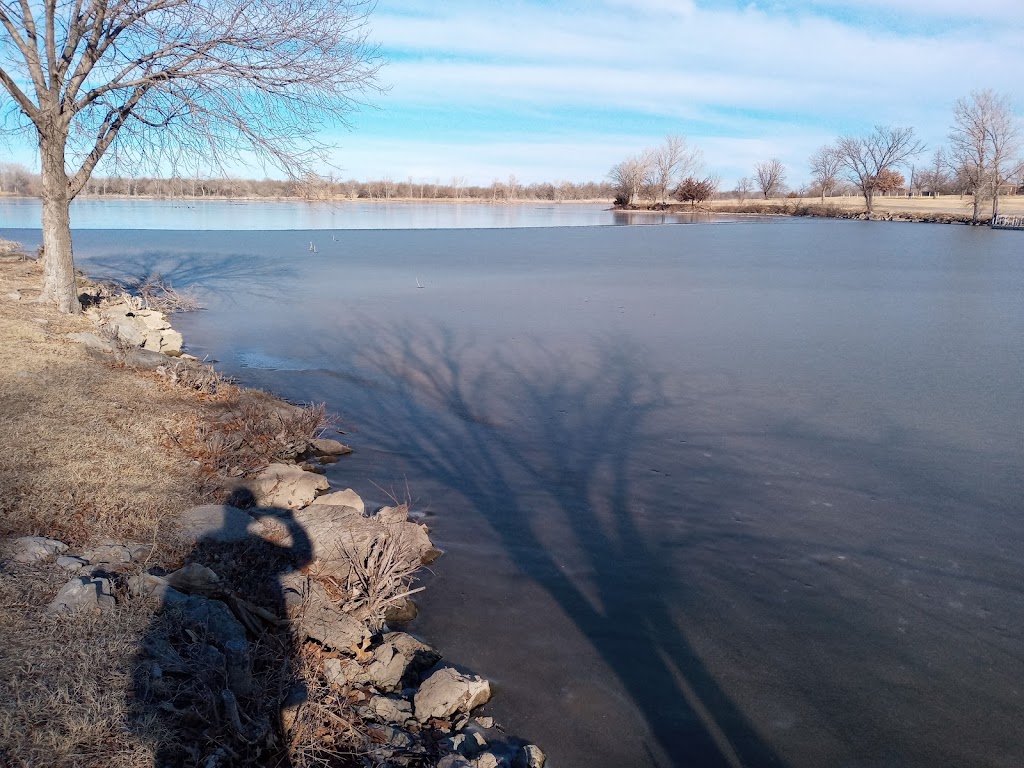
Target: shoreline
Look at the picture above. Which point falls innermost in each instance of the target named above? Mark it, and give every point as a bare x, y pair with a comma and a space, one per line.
916, 210
331, 200
255, 571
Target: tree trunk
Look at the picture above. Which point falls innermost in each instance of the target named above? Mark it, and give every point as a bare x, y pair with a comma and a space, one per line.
58, 261
869, 200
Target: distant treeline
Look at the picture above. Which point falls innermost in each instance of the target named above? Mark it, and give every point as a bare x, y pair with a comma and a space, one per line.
18, 180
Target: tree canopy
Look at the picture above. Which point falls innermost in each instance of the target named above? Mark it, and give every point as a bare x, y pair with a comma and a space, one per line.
163, 83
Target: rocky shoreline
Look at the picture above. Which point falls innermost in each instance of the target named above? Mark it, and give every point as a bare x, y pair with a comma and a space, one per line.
277, 632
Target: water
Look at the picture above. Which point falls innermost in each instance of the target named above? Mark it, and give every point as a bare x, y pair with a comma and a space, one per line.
745, 494
92, 213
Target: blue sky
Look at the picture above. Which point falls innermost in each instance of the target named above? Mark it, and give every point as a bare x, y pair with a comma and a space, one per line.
562, 90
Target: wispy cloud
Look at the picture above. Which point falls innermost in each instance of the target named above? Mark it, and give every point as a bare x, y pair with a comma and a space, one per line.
772, 75
565, 89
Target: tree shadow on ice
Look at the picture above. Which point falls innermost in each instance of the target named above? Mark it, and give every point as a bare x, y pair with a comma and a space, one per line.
216, 665
546, 452
222, 274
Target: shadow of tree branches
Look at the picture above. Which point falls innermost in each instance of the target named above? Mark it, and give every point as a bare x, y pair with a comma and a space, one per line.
434, 402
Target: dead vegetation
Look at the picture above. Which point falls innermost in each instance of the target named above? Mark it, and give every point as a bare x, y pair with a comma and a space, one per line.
86, 457
95, 451
251, 431
80, 458
380, 575
65, 682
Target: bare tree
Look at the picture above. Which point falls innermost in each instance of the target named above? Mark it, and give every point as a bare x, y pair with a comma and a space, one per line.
825, 166
671, 161
513, 187
743, 188
152, 81
937, 177
984, 139
770, 176
458, 182
866, 157
630, 177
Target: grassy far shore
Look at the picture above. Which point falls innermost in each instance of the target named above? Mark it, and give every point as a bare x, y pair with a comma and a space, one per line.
954, 206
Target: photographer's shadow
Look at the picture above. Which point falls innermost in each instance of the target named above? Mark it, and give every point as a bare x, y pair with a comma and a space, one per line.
216, 665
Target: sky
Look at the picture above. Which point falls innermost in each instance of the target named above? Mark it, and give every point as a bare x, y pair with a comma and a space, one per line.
564, 89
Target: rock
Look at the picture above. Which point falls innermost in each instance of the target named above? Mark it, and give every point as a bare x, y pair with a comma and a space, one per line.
92, 341
401, 612
485, 760
390, 709
328, 447
170, 343
485, 722
398, 662
228, 635
294, 588
340, 672
144, 359
14, 296
448, 691
82, 593
529, 756
151, 585
325, 622
454, 761
468, 745
336, 531
151, 319
71, 563
286, 486
152, 341
127, 331
194, 577
346, 498
217, 522
391, 738
35, 549
108, 554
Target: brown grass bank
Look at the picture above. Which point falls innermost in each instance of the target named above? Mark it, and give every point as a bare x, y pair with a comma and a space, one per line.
92, 451
945, 209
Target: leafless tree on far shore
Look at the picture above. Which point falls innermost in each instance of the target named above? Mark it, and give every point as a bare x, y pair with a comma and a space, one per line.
631, 176
151, 82
825, 166
865, 157
743, 188
985, 139
672, 161
771, 175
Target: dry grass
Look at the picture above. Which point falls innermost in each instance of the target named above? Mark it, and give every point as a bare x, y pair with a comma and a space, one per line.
251, 431
81, 461
197, 377
380, 575
81, 457
953, 205
66, 682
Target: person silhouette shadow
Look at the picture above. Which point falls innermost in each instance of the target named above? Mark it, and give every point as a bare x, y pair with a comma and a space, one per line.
216, 663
